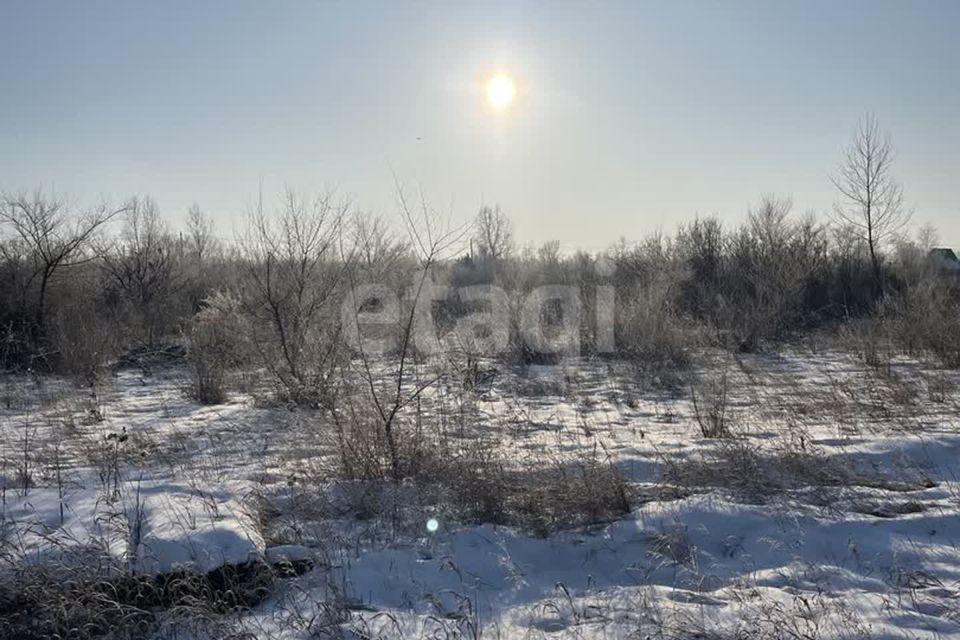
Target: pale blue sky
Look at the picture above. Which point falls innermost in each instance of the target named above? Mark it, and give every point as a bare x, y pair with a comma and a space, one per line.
629, 116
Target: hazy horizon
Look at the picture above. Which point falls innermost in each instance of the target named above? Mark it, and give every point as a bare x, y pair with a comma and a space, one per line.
626, 119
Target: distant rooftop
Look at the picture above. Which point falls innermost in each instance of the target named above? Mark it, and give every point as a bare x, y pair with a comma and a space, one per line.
944, 259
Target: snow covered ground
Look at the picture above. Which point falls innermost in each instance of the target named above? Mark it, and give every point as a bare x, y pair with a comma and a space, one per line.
832, 512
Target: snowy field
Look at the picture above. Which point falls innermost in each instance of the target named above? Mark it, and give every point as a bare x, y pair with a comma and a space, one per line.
828, 509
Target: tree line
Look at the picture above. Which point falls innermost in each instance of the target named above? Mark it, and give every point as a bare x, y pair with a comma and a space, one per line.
83, 288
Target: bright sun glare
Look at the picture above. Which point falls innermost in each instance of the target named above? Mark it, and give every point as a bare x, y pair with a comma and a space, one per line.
500, 91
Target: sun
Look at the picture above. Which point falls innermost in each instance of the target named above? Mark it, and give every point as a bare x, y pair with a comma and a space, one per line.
501, 91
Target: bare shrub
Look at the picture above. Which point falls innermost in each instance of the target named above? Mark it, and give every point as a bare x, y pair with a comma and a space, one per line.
459, 470
651, 332
757, 283
366, 453
772, 260
700, 247
293, 275
925, 318
711, 400
215, 346
869, 339
81, 340
386, 385
749, 471
582, 490
650, 325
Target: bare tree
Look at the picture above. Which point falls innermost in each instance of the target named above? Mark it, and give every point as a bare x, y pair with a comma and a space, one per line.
199, 251
430, 239
141, 269
378, 252
493, 233
55, 238
294, 272
549, 252
871, 201
200, 238
15, 263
